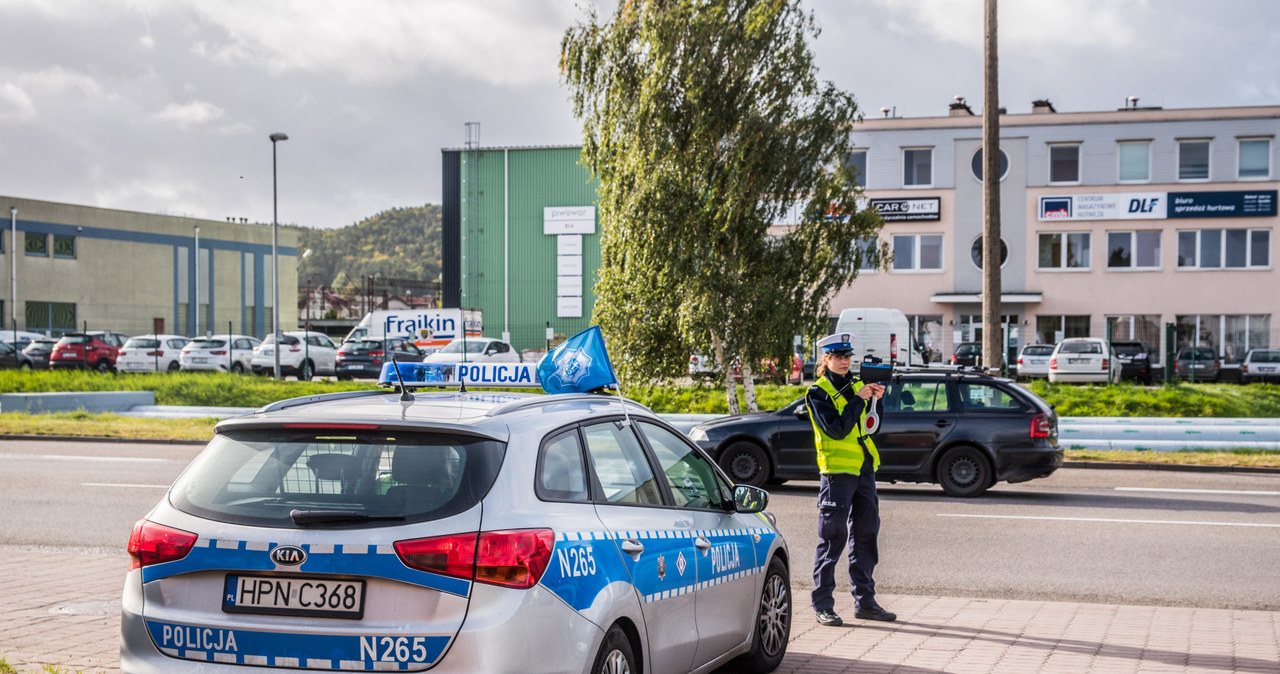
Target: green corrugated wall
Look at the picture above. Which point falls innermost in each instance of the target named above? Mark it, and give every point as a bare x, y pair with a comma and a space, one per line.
535, 178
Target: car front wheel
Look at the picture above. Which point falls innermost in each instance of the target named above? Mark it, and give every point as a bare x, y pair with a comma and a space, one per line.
964, 472
615, 656
746, 463
773, 623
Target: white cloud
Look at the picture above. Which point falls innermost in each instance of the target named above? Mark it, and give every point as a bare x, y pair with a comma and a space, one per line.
60, 81
15, 104
1022, 25
187, 115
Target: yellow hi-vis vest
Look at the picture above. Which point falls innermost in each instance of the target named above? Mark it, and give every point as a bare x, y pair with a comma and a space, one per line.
845, 454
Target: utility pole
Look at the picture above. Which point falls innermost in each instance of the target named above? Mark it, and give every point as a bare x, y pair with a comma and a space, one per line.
992, 316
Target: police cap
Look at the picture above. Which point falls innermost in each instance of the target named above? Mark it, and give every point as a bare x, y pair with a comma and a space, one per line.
839, 344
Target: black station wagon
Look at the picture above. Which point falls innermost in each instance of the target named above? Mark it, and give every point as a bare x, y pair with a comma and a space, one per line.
962, 430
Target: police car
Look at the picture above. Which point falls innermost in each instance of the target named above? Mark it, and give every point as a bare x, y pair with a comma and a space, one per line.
458, 531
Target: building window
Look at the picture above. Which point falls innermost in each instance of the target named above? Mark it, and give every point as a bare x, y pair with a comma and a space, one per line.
927, 333
975, 252
1230, 336
1064, 250
1054, 329
977, 165
1224, 248
857, 162
868, 252
1064, 163
1135, 161
1193, 160
37, 244
51, 318
64, 246
917, 252
1133, 250
1255, 159
917, 167
1141, 327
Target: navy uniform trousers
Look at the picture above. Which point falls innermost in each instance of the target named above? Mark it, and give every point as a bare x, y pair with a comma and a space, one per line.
847, 505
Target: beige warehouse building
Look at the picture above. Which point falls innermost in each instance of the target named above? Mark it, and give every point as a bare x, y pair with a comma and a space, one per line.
79, 267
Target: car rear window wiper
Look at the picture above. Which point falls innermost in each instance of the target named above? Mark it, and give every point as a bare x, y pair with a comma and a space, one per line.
304, 517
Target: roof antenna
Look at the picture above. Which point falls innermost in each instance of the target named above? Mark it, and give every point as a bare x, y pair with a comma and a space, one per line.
405, 396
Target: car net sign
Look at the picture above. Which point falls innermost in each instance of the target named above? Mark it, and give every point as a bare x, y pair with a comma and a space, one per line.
1158, 205
908, 210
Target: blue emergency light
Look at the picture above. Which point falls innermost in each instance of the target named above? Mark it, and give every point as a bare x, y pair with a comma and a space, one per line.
459, 375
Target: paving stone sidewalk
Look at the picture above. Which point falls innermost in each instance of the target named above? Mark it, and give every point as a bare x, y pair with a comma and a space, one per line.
62, 609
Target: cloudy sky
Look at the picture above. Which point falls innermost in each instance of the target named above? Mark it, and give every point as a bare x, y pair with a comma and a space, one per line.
165, 106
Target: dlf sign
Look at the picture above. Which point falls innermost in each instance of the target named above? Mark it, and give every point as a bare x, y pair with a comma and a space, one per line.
569, 220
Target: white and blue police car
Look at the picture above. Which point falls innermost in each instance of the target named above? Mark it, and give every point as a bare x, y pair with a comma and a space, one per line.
456, 531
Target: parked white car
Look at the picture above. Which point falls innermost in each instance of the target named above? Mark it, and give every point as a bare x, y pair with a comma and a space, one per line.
475, 350
220, 353
302, 354
1084, 359
1033, 361
151, 353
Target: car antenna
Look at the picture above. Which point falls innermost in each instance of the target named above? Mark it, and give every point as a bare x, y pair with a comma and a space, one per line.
405, 396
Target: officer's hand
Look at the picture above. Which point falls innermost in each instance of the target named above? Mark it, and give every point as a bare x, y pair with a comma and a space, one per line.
869, 390
877, 390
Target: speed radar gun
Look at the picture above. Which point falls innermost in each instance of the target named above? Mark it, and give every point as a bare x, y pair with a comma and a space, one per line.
873, 371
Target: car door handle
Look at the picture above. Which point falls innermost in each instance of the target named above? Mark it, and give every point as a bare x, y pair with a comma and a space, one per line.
702, 543
942, 423
632, 547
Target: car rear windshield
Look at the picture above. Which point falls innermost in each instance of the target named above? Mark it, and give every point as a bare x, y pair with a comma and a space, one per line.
473, 346
204, 343
1127, 349
1200, 354
284, 339
1037, 350
336, 478
74, 339
362, 345
967, 349
140, 343
1080, 347
1265, 357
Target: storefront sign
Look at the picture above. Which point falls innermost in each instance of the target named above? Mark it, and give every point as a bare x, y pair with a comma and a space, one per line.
569, 220
1158, 205
901, 210
1260, 203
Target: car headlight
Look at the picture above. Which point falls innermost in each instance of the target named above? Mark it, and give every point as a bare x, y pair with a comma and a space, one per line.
698, 435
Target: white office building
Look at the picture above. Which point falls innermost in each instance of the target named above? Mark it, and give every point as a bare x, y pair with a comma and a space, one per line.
1132, 219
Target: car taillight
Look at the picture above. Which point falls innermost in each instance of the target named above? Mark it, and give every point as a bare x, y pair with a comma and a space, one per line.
150, 353
152, 543
377, 354
1040, 426
1053, 363
954, 360
295, 348
515, 558
1106, 364
1244, 368
1019, 361
217, 353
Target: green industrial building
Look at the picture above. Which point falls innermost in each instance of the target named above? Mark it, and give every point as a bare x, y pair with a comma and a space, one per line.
521, 240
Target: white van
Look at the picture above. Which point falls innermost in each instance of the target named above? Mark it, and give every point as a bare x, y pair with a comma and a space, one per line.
428, 329
883, 333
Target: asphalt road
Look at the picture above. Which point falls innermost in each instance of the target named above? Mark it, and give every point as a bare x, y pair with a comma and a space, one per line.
1172, 538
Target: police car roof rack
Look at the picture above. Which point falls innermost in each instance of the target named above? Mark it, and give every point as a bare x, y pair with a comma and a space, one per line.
321, 397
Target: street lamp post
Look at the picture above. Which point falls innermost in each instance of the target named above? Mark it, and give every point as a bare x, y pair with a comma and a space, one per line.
13, 273
275, 253
197, 277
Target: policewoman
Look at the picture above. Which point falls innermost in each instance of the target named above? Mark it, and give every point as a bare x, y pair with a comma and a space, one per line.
838, 405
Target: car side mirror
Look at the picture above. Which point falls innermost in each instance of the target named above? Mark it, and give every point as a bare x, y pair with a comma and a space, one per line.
748, 499
802, 412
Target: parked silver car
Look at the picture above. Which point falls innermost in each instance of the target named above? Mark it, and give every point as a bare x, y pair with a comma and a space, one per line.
1084, 359
461, 532
1261, 365
1033, 361
1198, 364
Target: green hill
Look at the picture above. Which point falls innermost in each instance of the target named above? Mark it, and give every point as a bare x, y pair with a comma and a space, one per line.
400, 243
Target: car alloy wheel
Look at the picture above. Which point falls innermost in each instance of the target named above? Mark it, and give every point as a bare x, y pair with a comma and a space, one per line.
615, 656
773, 623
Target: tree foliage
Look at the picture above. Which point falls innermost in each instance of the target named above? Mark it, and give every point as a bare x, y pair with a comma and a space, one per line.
705, 124
402, 243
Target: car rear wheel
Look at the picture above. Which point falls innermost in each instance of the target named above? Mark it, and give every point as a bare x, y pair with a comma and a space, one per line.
237, 368
174, 366
307, 371
773, 623
102, 366
964, 472
746, 463
615, 656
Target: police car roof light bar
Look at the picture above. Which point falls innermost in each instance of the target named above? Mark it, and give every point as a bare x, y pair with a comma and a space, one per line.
411, 376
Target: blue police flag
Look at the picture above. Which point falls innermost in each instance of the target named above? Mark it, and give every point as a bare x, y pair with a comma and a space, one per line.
580, 364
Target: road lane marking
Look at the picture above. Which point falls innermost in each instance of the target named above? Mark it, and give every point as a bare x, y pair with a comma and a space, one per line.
1235, 492
67, 457
1105, 519
117, 484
